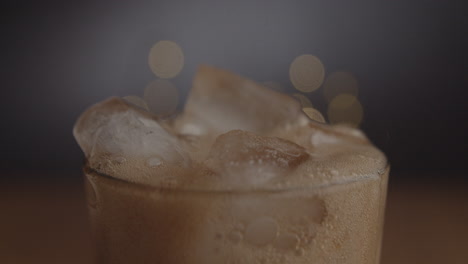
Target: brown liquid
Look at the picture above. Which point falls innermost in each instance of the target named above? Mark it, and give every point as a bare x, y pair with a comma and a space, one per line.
134, 223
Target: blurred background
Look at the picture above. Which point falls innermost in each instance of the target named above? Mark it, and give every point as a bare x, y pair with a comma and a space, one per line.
397, 69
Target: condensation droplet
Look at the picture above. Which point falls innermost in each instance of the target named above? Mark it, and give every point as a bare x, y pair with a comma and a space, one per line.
235, 237
261, 231
153, 162
307, 73
166, 59
287, 241
162, 97
314, 114
136, 101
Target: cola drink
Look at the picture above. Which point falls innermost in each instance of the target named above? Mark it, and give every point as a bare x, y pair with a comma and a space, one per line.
240, 176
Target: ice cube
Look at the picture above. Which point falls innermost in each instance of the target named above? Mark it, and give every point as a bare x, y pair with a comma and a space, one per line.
221, 101
242, 157
115, 128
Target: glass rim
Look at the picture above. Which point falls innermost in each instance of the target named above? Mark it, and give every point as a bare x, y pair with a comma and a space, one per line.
262, 189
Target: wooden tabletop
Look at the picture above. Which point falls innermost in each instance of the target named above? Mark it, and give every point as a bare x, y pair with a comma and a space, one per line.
46, 222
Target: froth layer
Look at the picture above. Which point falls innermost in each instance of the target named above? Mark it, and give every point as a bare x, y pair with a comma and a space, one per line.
332, 156
233, 134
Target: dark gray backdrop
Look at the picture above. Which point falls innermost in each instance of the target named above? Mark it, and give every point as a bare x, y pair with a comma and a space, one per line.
410, 58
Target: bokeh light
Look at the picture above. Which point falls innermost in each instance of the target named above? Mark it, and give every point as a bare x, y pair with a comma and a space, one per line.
162, 97
306, 73
166, 59
314, 114
340, 83
305, 102
136, 101
345, 109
